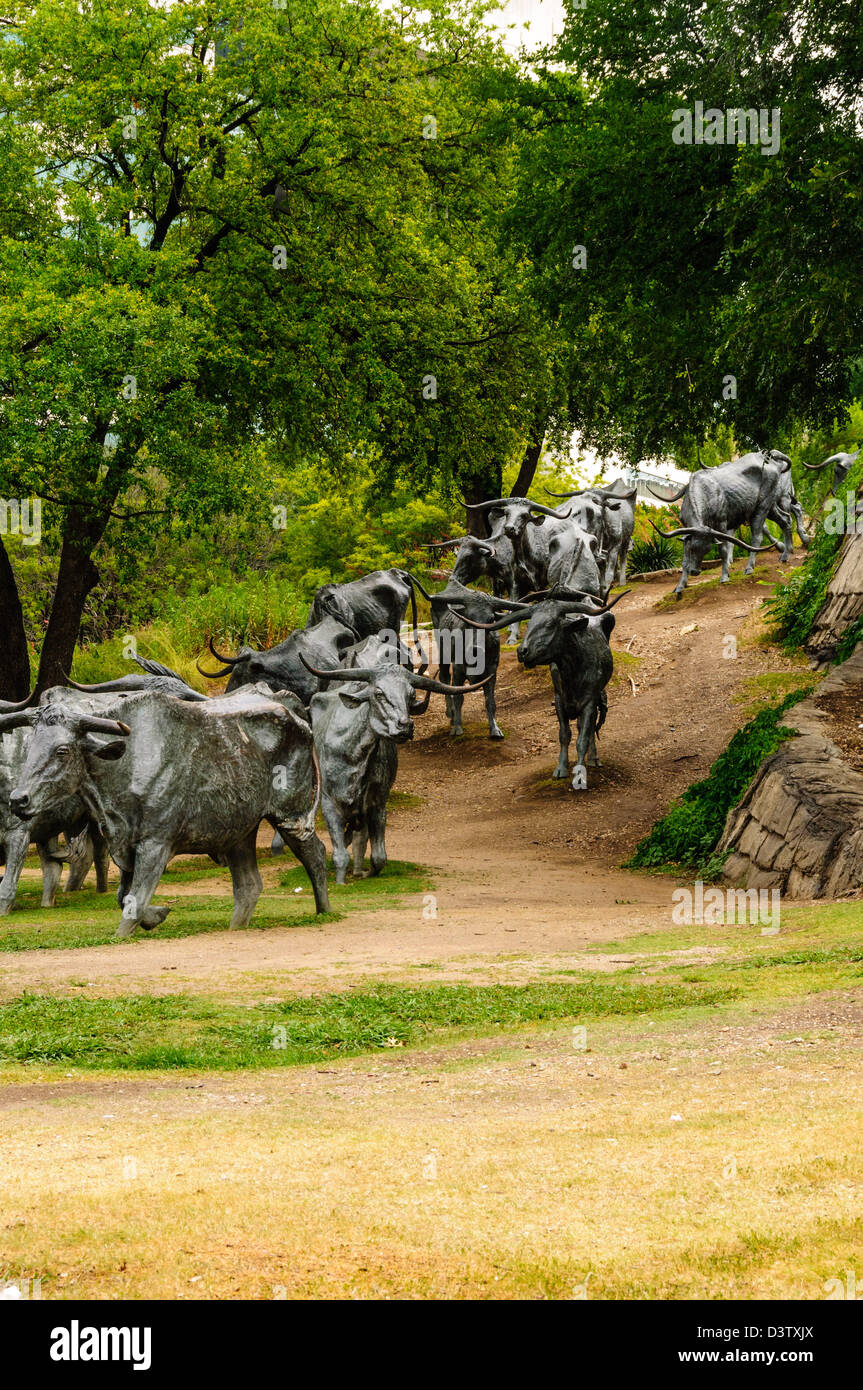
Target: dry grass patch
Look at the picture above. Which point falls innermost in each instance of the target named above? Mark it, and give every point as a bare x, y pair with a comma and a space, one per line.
514, 1168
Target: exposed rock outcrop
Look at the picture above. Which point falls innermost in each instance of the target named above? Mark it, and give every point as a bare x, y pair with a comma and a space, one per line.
843, 603
799, 827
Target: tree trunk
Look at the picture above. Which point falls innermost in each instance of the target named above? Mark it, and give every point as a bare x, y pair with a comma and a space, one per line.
15, 664
529, 462
481, 487
76, 577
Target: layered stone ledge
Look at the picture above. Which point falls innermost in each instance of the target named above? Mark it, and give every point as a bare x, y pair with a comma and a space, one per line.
799, 826
843, 602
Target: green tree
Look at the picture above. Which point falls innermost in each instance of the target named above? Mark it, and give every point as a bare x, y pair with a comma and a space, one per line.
220, 225
705, 262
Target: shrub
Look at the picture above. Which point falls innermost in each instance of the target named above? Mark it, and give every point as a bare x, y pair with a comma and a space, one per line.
690, 831
656, 554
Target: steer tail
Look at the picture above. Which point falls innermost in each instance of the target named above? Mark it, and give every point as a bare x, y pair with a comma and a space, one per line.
319, 784
603, 711
412, 584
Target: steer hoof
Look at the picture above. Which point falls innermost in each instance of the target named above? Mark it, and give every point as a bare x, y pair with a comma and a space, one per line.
5, 907
126, 928
495, 731
560, 774
152, 916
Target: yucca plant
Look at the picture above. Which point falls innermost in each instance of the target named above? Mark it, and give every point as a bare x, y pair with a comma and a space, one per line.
654, 554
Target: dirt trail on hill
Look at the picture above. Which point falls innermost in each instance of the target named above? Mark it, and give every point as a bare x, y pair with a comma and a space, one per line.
521, 863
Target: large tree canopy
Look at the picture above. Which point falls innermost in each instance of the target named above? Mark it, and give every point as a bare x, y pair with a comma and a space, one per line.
220, 223
703, 261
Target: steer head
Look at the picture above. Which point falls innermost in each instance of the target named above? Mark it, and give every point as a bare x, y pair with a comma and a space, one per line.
60, 755
390, 694
509, 516
552, 626
553, 617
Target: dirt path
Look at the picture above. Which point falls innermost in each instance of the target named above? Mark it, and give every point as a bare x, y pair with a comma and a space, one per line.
521, 863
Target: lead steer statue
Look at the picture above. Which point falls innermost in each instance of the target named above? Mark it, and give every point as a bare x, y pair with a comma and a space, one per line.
842, 465
357, 729
715, 501
163, 776
569, 632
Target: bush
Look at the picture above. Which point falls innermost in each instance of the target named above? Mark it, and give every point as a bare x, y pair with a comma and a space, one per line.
690, 831
656, 554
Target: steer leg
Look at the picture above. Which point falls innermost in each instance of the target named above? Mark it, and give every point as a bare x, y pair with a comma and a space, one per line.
726, 552
377, 821
151, 860
124, 885
562, 769
586, 736
358, 846
611, 564
101, 860
17, 845
243, 863
797, 513
313, 857
457, 701
336, 827
494, 729
685, 572
757, 530
80, 860
52, 869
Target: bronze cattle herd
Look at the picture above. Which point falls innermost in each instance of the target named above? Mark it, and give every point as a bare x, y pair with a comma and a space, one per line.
144, 767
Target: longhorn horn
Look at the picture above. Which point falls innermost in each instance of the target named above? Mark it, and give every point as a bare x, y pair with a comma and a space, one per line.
214, 675
576, 493
443, 545
498, 624
621, 595
676, 498
91, 724
560, 592
755, 549
12, 707
342, 673
228, 660
15, 719
549, 511
493, 502
425, 593
681, 531
506, 604
106, 687
816, 467
439, 688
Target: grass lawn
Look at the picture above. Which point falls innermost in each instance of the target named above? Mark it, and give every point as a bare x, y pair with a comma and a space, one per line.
90, 919
687, 1125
